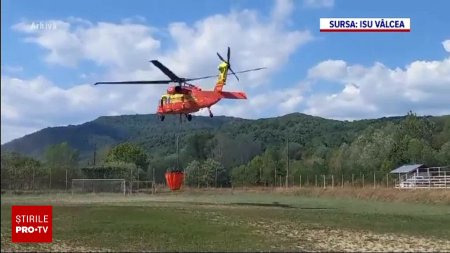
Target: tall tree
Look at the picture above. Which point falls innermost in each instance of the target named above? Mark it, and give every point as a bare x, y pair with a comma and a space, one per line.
61, 160
128, 153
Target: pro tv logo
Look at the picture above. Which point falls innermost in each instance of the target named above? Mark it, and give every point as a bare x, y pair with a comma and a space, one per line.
31, 224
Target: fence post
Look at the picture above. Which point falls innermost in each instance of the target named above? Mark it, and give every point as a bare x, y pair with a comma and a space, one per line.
316, 180
374, 180
131, 180
332, 181
353, 180
323, 181
387, 180
342, 180
363, 180
153, 180
300, 180
66, 180
34, 169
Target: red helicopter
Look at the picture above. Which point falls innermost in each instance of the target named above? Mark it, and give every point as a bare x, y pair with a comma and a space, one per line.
186, 98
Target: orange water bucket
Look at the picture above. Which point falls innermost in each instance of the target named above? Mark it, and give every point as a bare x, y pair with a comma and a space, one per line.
174, 179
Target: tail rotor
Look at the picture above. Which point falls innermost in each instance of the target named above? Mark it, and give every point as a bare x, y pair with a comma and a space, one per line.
228, 62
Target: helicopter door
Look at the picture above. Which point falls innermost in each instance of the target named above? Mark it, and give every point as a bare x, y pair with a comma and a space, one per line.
169, 103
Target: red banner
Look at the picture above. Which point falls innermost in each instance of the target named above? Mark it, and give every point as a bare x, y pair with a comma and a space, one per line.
31, 224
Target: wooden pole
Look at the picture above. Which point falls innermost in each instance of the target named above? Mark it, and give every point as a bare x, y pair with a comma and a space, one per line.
137, 170
342, 181
260, 175
323, 181
374, 180
353, 181
316, 180
131, 180
287, 162
300, 180
332, 181
34, 172
275, 177
363, 180
50, 178
153, 182
387, 180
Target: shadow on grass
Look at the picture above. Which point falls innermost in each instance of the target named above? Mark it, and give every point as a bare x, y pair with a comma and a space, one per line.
277, 204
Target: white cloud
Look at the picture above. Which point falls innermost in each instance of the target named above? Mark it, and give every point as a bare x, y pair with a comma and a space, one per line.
107, 44
377, 91
37, 103
446, 45
125, 48
12, 69
319, 3
282, 9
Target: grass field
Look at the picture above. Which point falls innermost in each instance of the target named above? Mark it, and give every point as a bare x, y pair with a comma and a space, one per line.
234, 221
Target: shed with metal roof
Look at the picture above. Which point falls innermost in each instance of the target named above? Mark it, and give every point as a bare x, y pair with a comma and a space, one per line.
408, 168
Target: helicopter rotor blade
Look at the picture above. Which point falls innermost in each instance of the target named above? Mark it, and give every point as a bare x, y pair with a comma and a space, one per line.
200, 78
213, 76
250, 70
229, 67
137, 82
221, 58
167, 71
228, 55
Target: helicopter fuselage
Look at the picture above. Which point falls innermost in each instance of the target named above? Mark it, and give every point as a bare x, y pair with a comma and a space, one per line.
190, 98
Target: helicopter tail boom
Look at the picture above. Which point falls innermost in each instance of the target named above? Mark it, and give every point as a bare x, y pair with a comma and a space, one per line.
233, 95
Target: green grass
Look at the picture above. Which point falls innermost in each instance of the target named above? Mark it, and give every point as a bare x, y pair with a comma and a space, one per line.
221, 222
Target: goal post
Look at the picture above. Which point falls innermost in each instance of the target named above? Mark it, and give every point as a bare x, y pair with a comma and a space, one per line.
90, 185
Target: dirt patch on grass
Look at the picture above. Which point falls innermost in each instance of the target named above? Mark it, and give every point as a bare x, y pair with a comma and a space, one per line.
319, 238
315, 237
55, 246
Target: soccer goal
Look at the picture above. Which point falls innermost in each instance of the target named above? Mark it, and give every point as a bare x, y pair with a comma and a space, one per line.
98, 185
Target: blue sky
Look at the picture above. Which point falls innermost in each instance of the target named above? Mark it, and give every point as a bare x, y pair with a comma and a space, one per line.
298, 78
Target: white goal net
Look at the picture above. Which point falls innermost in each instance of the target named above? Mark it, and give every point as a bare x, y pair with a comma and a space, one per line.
98, 185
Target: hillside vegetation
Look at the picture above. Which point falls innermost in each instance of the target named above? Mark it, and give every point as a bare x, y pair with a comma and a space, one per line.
223, 150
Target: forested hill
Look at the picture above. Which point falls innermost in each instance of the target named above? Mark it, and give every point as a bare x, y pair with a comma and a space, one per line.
233, 141
107, 131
